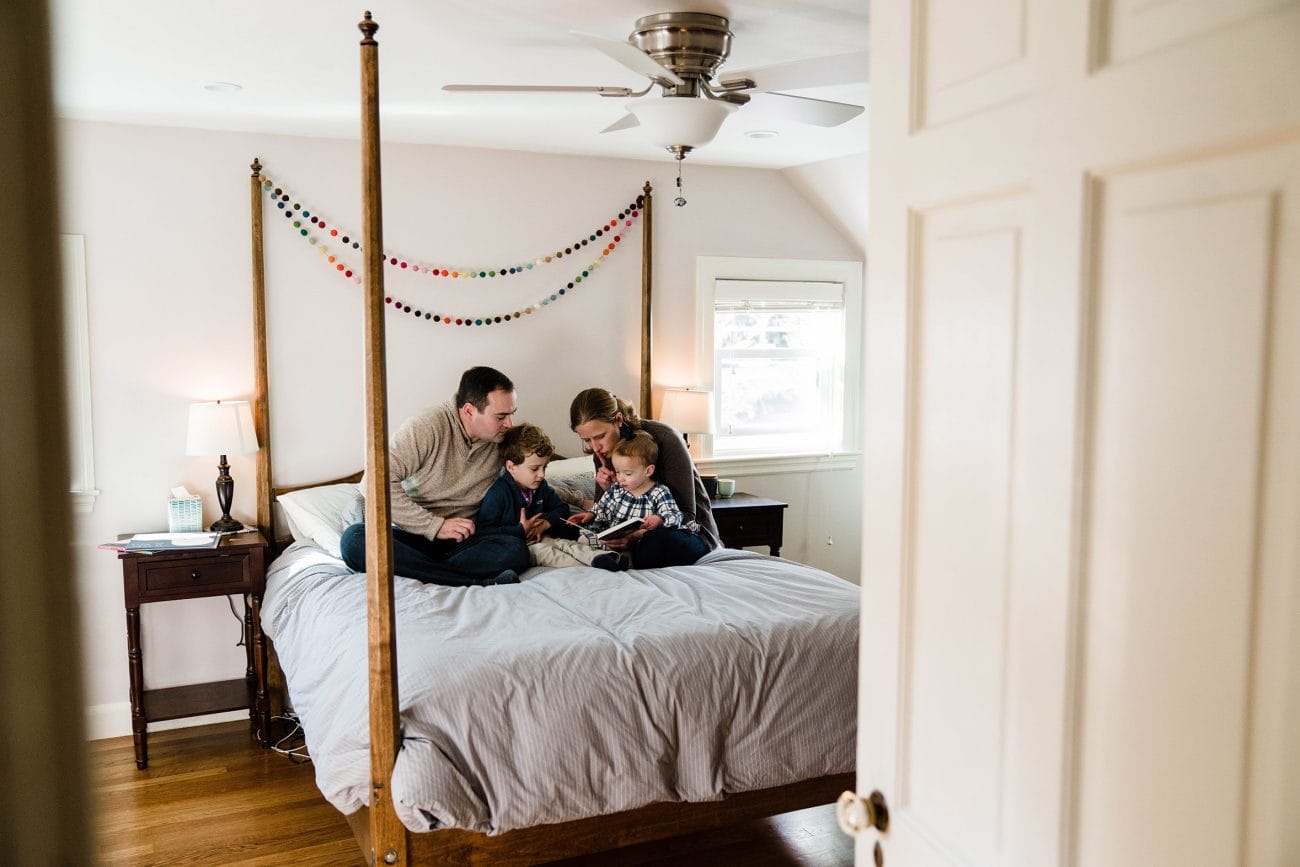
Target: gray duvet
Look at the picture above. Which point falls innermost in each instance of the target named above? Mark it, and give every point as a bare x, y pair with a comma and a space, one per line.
578, 692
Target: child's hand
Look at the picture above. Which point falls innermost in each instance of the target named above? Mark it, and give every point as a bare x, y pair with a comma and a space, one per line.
651, 522
534, 527
581, 518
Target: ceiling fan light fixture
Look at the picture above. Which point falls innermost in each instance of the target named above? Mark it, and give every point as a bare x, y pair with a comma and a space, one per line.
680, 121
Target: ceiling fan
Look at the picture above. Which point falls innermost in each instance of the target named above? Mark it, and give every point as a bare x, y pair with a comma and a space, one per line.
680, 52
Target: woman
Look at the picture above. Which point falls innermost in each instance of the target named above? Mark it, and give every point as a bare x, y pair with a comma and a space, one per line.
600, 420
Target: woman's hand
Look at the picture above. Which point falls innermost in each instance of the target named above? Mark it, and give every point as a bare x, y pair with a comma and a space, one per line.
605, 475
621, 543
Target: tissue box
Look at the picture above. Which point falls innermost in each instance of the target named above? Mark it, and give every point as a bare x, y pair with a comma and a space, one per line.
185, 515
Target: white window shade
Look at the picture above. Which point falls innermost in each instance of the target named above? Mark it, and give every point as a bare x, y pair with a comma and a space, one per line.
778, 290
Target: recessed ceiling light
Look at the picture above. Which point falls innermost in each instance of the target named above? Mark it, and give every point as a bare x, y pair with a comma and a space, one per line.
761, 133
222, 87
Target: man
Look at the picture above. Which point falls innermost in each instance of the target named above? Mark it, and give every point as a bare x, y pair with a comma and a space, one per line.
441, 464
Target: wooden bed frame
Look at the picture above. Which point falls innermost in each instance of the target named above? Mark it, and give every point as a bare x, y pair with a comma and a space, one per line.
380, 834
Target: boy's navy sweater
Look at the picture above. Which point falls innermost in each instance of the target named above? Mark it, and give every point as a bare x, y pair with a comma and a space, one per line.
499, 512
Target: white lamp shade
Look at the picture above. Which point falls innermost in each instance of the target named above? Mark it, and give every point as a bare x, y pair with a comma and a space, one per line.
680, 120
688, 410
223, 427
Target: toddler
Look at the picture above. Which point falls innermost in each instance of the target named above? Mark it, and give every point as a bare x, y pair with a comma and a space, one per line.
635, 494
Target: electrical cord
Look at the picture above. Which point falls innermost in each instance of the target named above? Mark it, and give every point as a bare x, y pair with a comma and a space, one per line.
294, 744
231, 601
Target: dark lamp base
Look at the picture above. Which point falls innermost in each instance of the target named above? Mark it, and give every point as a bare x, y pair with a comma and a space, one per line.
226, 525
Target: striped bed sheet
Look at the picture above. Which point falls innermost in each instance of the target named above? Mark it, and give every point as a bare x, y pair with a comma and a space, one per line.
577, 692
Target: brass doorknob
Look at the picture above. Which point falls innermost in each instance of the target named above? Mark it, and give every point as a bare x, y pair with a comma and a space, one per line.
855, 815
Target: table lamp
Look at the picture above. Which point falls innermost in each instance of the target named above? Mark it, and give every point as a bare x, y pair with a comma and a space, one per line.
689, 410
223, 427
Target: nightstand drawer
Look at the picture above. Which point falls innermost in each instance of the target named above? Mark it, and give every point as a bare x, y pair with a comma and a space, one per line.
198, 572
752, 528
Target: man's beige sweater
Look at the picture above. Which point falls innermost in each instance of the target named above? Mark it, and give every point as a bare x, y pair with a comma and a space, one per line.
435, 471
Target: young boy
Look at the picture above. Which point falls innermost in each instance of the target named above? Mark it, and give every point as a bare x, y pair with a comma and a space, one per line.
522, 504
635, 493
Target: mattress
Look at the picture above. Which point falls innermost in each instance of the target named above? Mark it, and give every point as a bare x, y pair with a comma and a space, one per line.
577, 692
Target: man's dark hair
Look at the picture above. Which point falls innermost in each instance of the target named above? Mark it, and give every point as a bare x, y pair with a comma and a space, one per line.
477, 383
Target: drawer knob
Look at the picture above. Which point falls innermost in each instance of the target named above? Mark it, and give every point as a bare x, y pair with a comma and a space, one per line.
195, 575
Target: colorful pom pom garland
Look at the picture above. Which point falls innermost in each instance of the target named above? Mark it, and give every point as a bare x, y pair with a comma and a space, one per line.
297, 214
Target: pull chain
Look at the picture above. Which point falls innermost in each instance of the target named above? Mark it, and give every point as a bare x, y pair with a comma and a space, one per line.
680, 201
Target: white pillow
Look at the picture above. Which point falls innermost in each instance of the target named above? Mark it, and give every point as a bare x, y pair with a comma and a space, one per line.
574, 479
317, 514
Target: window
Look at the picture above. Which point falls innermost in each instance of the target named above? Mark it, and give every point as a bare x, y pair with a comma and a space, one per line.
784, 354
778, 366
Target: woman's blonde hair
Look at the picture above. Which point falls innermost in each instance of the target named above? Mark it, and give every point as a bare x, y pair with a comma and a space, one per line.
598, 404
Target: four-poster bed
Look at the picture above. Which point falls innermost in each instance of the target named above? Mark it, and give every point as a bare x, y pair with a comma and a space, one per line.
305, 579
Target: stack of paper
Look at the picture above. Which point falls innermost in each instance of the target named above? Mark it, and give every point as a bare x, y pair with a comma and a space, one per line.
168, 541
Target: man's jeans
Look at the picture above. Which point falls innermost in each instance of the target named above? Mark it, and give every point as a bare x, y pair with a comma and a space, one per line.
477, 560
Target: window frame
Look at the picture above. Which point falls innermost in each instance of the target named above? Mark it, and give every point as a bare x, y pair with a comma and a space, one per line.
711, 269
76, 349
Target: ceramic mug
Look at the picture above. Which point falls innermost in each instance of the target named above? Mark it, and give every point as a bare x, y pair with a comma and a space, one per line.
710, 484
726, 487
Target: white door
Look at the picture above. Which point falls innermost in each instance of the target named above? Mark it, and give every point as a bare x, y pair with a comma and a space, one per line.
1081, 570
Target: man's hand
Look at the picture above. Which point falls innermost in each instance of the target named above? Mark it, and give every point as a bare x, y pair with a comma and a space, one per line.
459, 529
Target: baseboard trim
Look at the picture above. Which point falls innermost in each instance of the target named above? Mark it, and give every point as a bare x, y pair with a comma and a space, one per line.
113, 720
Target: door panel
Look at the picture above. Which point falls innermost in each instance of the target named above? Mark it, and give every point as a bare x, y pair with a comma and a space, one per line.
1189, 283
971, 54
965, 301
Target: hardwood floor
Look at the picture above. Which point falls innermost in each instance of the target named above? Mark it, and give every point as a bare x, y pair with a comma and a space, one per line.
211, 796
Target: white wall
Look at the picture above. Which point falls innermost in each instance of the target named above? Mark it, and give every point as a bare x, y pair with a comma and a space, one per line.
165, 215
837, 189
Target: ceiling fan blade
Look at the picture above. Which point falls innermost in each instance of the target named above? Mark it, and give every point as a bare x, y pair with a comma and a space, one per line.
632, 57
627, 121
818, 112
813, 72
535, 88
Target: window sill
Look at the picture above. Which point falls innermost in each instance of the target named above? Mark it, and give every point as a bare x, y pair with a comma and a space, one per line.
765, 465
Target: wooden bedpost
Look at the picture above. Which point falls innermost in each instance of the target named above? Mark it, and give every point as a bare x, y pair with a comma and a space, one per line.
647, 269
261, 392
387, 833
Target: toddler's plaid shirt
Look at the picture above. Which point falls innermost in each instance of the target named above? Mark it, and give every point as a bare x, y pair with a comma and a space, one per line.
617, 506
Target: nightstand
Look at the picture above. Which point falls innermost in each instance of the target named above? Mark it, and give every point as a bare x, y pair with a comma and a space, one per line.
744, 520
237, 565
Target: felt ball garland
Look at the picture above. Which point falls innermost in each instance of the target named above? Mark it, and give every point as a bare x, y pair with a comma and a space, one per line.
300, 217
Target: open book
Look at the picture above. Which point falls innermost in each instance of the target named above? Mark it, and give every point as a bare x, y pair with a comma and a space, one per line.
618, 531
